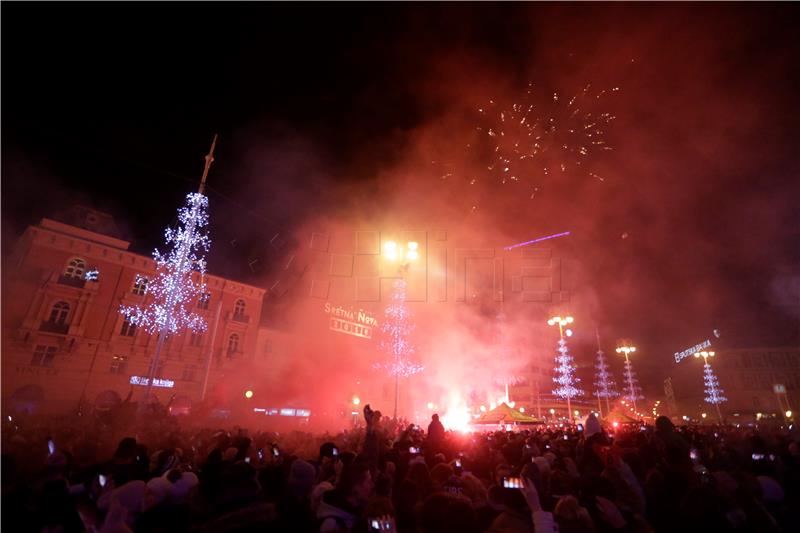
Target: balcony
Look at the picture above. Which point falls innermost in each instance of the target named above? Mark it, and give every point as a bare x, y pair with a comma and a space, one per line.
237, 317
54, 327
71, 281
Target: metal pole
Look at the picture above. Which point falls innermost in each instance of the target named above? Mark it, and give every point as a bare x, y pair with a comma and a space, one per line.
396, 391
630, 381
211, 349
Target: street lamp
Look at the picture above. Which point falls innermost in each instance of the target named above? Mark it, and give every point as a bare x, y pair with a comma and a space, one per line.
626, 347
404, 256
565, 367
714, 391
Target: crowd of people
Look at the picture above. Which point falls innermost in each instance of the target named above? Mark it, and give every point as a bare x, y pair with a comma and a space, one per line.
159, 475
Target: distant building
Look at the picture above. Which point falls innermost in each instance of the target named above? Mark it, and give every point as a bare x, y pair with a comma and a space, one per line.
64, 342
748, 376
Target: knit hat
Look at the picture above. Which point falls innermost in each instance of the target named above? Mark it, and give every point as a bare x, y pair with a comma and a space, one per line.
301, 478
591, 426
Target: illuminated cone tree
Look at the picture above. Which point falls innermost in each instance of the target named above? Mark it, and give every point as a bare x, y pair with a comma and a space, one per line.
179, 282
605, 386
565, 376
714, 393
396, 330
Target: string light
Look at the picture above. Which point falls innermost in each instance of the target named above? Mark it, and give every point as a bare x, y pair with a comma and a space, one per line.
565, 373
604, 380
396, 329
714, 393
180, 275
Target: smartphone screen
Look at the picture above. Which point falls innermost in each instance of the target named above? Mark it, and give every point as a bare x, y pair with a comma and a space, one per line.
413, 449
335, 452
458, 463
260, 453
246, 459
101, 479
51, 446
275, 451
512, 483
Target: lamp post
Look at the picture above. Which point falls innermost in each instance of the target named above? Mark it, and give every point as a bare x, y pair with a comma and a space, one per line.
404, 256
713, 390
627, 348
565, 369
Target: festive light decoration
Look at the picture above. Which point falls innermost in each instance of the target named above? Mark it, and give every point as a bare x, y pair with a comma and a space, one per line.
632, 391
542, 134
180, 275
396, 328
179, 280
714, 392
604, 382
565, 373
534, 241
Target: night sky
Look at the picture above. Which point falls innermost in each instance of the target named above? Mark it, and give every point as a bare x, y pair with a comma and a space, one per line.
696, 224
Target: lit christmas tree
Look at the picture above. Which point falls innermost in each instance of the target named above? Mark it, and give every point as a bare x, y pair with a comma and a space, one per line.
632, 391
604, 382
396, 329
565, 375
714, 393
180, 276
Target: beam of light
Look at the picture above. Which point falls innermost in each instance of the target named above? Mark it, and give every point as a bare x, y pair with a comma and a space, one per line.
540, 239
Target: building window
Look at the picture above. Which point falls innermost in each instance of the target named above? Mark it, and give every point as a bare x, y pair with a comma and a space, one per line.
188, 372
43, 355
139, 285
128, 328
203, 301
238, 309
196, 339
233, 344
58, 313
75, 268
119, 364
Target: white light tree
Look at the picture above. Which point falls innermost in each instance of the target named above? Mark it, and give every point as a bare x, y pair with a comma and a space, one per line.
179, 282
396, 330
605, 386
565, 376
714, 393
632, 391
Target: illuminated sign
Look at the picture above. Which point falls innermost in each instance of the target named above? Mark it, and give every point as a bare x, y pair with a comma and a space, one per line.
356, 323
688, 352
283, 411
157, 382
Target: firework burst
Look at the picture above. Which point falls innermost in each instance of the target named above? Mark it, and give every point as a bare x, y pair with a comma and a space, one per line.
542, 135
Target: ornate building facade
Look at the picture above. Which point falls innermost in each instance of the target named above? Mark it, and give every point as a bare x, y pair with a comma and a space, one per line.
64, 343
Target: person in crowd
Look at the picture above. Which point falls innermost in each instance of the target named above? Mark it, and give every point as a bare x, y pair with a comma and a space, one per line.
154, 475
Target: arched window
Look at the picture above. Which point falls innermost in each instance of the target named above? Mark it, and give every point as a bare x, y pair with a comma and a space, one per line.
233, 344
128, 328
238, 308
139, 285
75, 268
59, 312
